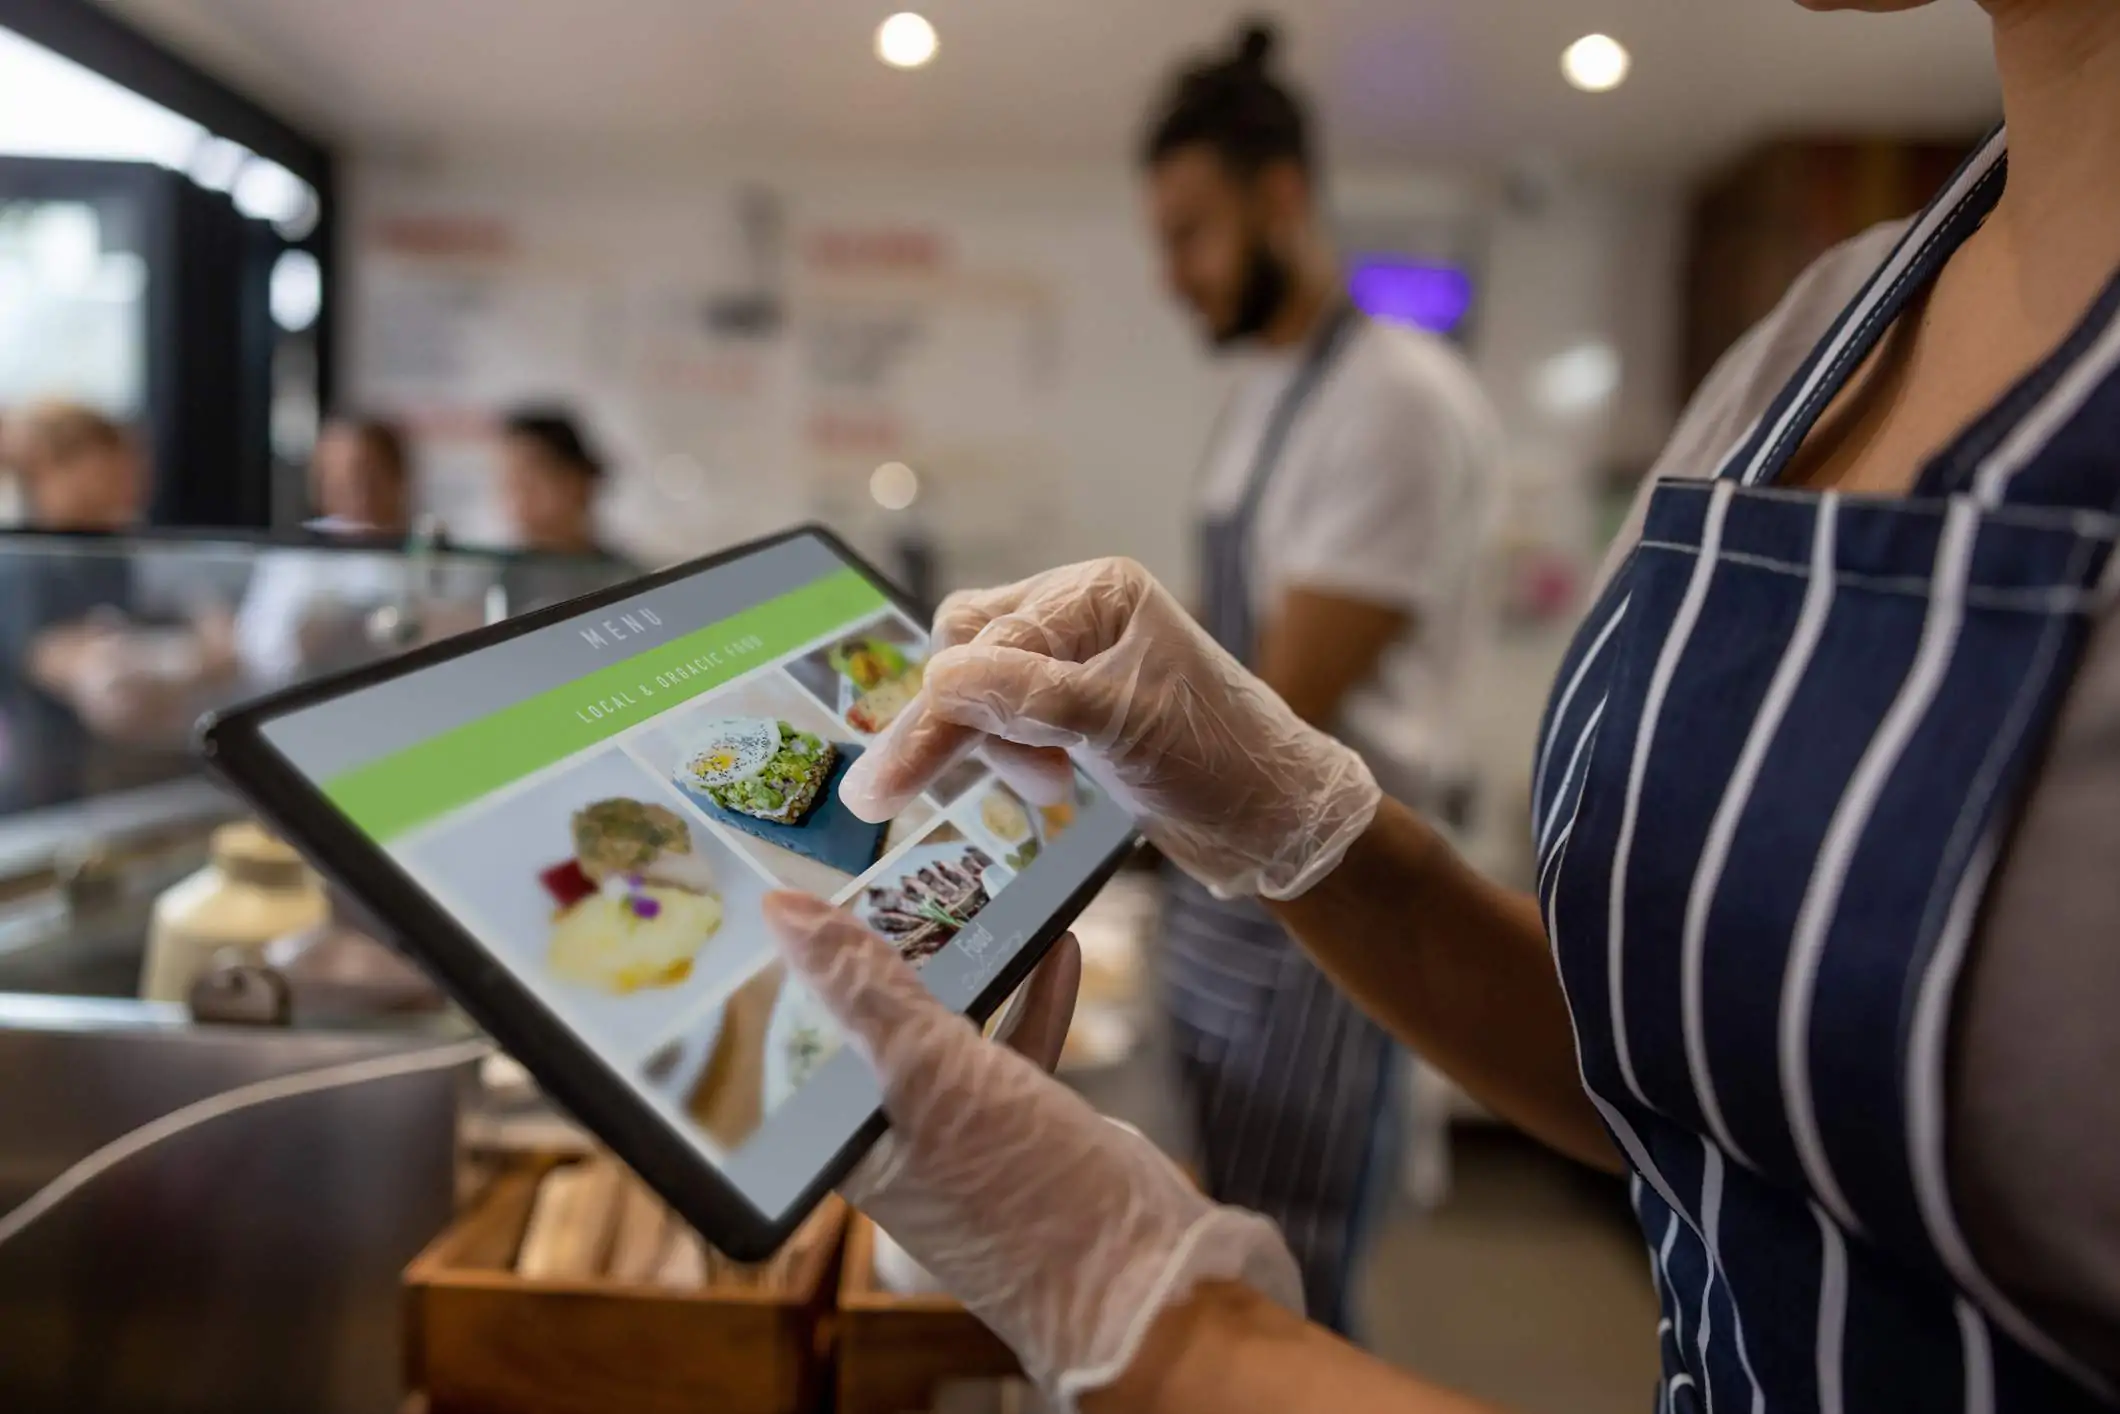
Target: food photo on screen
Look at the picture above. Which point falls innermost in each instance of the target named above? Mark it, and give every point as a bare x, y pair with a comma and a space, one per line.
599, 888
926, 896
870, 676
733, 1065
763, 761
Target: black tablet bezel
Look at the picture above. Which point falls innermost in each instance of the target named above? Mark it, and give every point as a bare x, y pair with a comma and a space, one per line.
233, 745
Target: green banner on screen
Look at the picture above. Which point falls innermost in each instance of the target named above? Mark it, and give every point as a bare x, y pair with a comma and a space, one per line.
387, 797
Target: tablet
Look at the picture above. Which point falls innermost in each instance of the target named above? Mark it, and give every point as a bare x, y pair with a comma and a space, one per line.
572, 819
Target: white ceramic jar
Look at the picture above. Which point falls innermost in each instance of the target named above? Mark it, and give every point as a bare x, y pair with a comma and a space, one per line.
253, 890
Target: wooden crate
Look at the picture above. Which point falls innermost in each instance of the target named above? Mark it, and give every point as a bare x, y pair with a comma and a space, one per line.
482, 1340
896, 1352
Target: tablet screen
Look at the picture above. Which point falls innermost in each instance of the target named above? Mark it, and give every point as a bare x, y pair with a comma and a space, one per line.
604, 802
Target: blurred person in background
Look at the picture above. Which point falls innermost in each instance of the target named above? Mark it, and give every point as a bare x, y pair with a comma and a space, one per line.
303, 608
360, 478
549, 480
76, 471
1344, 509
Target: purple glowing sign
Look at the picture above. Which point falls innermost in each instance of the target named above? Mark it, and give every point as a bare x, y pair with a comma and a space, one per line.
1417, 292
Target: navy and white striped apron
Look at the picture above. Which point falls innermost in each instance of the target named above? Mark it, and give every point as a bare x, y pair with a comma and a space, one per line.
1290, 1087
1781, 762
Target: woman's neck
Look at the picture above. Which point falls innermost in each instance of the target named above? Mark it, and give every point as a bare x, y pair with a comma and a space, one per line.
2060, 217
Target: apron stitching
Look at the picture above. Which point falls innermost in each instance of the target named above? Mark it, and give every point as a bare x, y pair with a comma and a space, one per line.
1845, 828
2043, 601
2076, 520
1887, 309
1878, 295
1672, 648
1729, 813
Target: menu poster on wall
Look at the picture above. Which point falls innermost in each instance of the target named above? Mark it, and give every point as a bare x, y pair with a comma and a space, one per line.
733, 385
910, 353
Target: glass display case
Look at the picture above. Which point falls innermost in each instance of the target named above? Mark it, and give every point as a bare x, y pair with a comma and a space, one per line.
113, 647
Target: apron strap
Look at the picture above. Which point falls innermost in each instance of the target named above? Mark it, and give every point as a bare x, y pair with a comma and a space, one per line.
1955, 213
1331, 339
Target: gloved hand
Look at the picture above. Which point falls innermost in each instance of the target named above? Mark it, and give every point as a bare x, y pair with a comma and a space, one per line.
1098, 659
1063, 1232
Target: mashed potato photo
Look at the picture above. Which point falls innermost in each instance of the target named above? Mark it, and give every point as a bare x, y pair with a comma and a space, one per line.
635, 904
632, 935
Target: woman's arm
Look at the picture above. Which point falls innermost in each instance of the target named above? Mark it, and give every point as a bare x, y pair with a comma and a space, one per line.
1458, 968
1229, 1350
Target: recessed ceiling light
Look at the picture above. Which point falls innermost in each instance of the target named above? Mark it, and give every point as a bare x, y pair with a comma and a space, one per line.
906, 40
894, 486
1596, 63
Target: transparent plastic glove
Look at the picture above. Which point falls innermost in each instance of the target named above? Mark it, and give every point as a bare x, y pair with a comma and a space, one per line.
1063, 1232
1099, 660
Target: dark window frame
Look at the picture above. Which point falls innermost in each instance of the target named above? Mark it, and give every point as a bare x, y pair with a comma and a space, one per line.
99, 40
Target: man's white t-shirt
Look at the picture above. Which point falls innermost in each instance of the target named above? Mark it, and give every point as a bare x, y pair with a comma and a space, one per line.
1385, 491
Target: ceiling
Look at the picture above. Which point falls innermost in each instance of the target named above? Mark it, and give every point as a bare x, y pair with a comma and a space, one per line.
1457, 80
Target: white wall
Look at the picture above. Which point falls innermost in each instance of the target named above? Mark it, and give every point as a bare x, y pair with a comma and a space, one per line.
1123, 416
1134, 395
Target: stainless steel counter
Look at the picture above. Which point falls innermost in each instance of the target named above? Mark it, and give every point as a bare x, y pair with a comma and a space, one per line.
249, 1264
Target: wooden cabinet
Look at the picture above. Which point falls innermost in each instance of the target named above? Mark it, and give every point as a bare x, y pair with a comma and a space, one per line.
1757, 224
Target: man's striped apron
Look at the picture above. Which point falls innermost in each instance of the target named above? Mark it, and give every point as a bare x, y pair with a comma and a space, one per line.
1290, 1088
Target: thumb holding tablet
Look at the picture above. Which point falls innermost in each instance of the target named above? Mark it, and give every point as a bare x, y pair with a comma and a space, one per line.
1064, 1233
